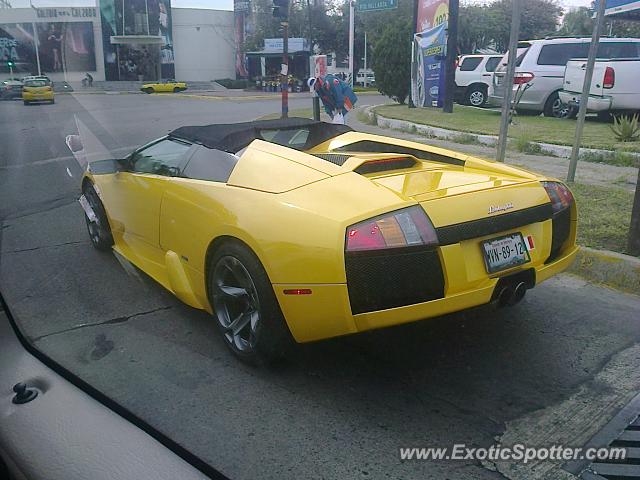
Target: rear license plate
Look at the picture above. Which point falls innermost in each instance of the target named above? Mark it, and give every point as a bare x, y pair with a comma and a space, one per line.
505, 252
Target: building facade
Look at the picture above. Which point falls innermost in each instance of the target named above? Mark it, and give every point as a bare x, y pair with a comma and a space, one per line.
133, 40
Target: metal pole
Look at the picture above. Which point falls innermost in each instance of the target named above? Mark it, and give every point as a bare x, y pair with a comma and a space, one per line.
352, 27
316, 108
586, 87
35, 42
284, 85
452, 50
508, 81
365, 60
633, 242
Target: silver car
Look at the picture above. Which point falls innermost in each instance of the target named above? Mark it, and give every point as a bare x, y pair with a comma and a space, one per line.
541, 64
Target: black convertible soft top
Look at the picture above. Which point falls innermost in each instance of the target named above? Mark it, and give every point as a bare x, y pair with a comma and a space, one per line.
233, 137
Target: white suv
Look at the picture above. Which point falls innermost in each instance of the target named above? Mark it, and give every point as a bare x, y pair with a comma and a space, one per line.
473, 78
541, 63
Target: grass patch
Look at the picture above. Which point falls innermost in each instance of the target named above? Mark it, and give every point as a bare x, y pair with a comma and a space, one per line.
465, 139
540, 129
522, 143
618, 158
604, 215
363, 89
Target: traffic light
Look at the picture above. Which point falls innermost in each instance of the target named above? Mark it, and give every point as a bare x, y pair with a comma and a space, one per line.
10, 63
281, 9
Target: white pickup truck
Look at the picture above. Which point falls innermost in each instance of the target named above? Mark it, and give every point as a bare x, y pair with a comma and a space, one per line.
614, 89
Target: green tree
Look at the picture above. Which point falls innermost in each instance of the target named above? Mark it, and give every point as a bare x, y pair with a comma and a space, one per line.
474, 29
577, 21
392, 59
539, 18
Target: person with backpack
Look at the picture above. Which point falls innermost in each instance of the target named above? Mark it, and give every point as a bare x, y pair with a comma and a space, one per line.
337, 96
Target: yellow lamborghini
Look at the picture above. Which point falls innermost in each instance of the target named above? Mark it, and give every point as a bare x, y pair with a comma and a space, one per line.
164, 87
299, 229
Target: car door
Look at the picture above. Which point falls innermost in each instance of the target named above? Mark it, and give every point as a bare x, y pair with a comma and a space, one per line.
141, 188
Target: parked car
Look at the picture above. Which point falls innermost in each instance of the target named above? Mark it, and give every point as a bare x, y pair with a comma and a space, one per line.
614, 87
474, 74
347, 232
370, 76
37, 90
10, 89
164, 86
542, 63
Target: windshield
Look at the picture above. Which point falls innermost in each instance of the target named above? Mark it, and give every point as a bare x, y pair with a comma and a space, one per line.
293, 278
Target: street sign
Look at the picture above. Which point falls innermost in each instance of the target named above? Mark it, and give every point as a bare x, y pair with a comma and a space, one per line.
376, 5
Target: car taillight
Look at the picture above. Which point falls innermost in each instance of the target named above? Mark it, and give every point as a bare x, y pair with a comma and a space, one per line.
522, 77
403, 228
609, 78
560, 196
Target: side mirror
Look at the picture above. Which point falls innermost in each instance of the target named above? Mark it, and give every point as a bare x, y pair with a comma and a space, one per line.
105, 167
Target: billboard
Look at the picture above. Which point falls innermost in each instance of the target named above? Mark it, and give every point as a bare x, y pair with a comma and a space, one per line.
148, 52
427, 72
429, 51
17, 43
66, 46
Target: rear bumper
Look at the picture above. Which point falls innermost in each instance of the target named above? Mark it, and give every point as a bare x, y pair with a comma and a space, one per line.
327, 313
595, 103
37, 97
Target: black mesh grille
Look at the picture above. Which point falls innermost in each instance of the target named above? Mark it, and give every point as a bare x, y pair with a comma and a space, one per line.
383, 147
561, 230
393, 279
333, 157
486, 226
385, 165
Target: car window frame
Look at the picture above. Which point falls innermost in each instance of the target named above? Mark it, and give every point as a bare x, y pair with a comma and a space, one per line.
472, 59
130, 160
497, 60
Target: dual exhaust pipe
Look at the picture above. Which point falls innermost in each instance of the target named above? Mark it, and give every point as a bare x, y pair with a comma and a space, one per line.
510, 295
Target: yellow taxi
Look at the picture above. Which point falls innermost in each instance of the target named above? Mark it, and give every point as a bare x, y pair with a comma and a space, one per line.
37, 90
164, 86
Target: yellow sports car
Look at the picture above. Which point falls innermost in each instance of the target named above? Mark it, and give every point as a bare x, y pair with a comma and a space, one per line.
164, 86
37, 90
306, 230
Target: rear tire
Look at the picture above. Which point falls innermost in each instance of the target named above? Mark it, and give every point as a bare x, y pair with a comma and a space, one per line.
476, 96
176, 90
99, 231
52, 101
241, 293
605, 117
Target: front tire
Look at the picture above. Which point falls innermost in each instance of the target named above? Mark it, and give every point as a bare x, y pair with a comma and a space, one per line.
245, 307
554, 107
148, 90
476, 96
99, 231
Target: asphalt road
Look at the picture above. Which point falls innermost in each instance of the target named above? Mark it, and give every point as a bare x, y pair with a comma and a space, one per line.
338, 409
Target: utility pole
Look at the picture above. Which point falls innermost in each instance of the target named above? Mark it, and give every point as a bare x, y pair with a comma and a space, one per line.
352, 28
586, 87
365, 60
285, 70
633, 242
508, 81
450, 61
281, 10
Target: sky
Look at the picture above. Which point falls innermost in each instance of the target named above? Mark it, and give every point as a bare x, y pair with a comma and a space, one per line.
219, 4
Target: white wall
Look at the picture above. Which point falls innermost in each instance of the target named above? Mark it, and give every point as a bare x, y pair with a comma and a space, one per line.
203, 44
27, 15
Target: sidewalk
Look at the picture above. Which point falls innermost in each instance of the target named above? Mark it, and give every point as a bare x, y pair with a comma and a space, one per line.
588, 173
